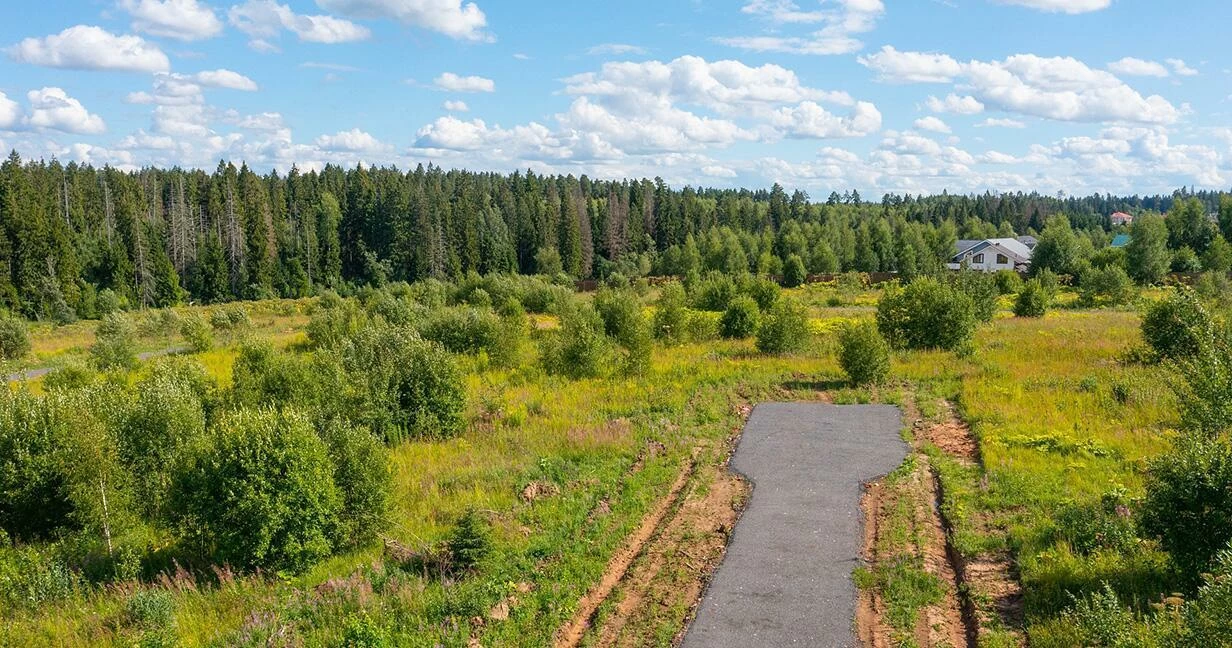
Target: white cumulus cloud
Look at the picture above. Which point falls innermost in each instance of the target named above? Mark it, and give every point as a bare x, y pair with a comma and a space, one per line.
449, 17
354, 140
841, 21
455, 83
933, 124
186, 20
955, 104
223, 78
85, 47
456, 106
1131, 66
53, 108
264, 19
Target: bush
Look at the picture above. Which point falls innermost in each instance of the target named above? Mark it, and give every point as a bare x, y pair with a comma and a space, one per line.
197, 333
14, 341
713, 293
71, 376
864, 354
114, 347
1109, 286
399, 384
150, 609
1188, 503
330, 327
784, 329
261, 494
794, 272
927, 314
981, 287
470, 541
740, 319
1104, 525
471, 330
579, 348
763, 290
33, 497
1178, 325
1008, 282
165, 420
108, 302
671, 315
1033, 300
624, 322
364, 480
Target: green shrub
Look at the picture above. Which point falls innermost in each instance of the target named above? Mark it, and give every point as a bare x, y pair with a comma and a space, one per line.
981, 287
401, 385
784, 329
1033, 300
470, 541
1104, 525
108, 302
364, 480
468, 330
713, 293
330, 327
579, 348
150, 609
762, 289
33, 497
114, 347
864, 354
1009, 282
671, 314
794, 272
74, 375
543, 297
165, 420
1208, 617
1178, 326
1188, 503
260, 494
1101, 620
741, 318
197, 333
624, 322
14, 341
927, 314
30, 578
1109, 286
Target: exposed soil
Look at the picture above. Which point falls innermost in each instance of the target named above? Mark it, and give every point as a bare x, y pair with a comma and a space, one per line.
675, 567
943, 624
572, 633
987, 577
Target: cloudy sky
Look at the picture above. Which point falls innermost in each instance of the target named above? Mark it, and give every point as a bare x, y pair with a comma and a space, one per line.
1125, 96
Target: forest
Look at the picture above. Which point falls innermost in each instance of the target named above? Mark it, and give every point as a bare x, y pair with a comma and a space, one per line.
76, 241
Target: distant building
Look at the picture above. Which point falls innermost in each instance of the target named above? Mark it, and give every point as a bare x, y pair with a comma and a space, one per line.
1120, 240
1029, 241
1121, 218
991, 255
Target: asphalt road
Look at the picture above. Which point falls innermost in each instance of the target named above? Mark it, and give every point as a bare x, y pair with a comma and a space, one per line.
786, 578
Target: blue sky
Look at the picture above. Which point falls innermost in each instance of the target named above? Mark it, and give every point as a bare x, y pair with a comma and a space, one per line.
1074, 96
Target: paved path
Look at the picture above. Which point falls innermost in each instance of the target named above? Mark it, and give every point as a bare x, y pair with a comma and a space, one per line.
31, 374
786, 578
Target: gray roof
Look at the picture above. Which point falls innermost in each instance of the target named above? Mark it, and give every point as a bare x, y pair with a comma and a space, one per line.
1014, 247
965, 244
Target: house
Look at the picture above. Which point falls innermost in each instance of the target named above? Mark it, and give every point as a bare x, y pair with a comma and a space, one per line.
1120, 240
991, 255
1029, 241
1121, 218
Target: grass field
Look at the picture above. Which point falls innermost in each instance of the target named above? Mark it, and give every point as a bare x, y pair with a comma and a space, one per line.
564, 470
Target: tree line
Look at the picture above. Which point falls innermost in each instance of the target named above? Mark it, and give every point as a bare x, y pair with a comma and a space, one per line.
78, 241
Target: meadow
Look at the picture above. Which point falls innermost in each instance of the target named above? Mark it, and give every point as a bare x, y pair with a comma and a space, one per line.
562, 469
